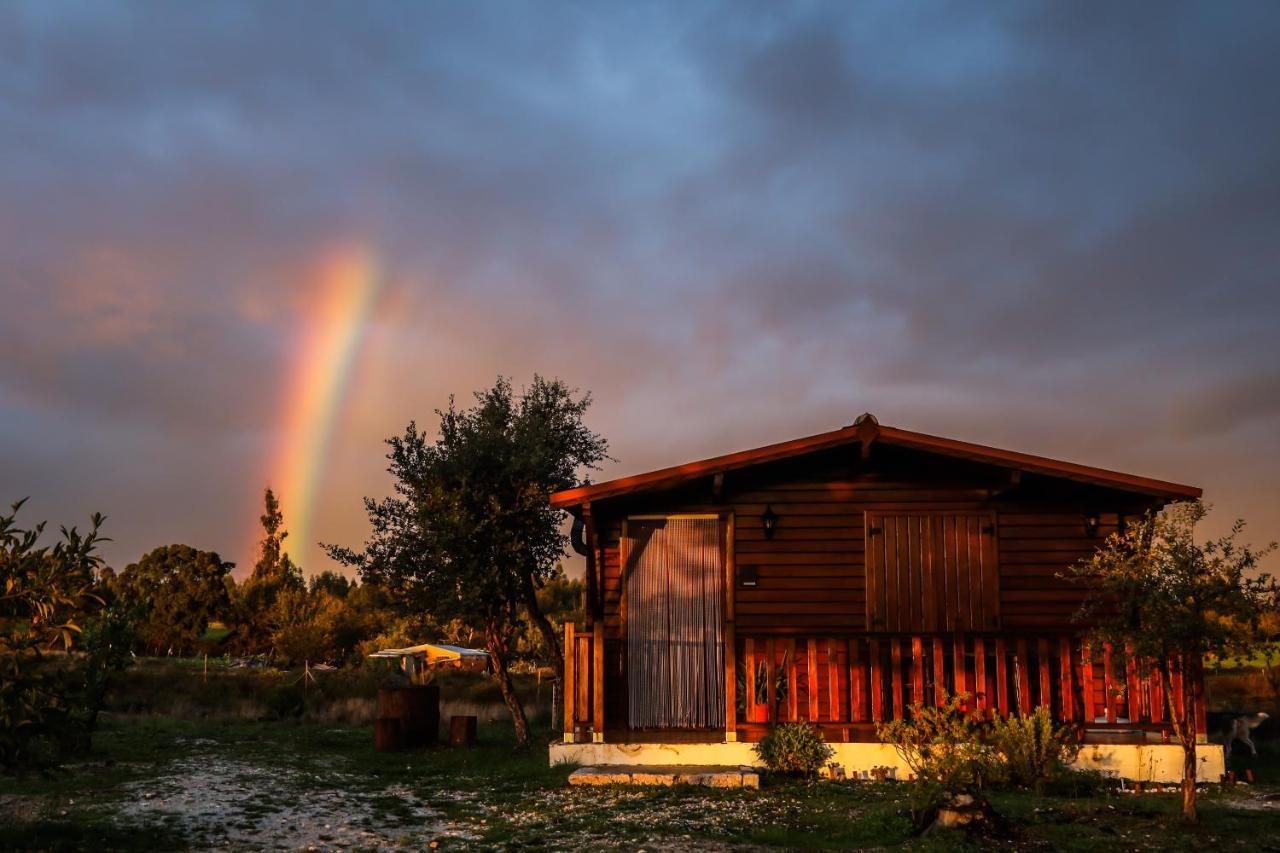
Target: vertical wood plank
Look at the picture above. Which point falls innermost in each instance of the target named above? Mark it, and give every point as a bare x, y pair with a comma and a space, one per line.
569, 694
1086, 682
584, 678
895, 703
990, 570
973, 572
873, 557
1108, 682
857, 671
1021, 665
597, 681
917, 670
1156, 685
833, 680
749, 657
730, 683
890, 616
1002, 678
928, 591
771, 681
980, 698
1067, 687
1175, 685
939, 673
958, 665
811, 677
793, 681
1046, 677
1134, 688
877, 693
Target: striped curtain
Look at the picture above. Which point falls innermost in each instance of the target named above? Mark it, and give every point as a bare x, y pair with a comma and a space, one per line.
675, 622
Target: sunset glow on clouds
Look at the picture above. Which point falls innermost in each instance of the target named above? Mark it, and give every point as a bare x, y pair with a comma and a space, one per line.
244, 243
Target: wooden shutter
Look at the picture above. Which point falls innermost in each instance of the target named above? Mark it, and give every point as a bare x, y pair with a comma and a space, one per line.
932, 572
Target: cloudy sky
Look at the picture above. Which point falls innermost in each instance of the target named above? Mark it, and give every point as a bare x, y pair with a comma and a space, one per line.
1051, 228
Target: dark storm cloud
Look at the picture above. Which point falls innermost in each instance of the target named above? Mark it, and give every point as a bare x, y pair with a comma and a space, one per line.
1045, 225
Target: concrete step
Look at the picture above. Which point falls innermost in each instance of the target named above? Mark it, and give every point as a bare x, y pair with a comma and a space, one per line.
655, 774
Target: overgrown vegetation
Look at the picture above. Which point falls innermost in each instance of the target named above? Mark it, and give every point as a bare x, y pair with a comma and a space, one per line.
796, 749
1032, 749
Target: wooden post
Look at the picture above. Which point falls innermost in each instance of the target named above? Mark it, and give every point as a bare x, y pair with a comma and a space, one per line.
811, 677
896, 711
877, 693
939, 673
1002, 678
957, 664
749, 652
569, 691
1156, 685
597, 682
1086, 682
1046, 679
917, 670
833, 680
980, 698
730, 685
1108, 683
1021, 663
1064, 666
770, 682
793, 683
857, 705
1134, 686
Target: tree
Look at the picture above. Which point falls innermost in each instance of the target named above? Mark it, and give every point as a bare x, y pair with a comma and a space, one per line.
45, 594
470, 534
1158, 595
174, 591
273, 575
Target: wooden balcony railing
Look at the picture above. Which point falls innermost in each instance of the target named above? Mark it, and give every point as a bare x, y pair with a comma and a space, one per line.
861, 680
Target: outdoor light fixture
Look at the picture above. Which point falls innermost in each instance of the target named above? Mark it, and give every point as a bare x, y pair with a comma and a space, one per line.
769, 521
748, 575
1091, 523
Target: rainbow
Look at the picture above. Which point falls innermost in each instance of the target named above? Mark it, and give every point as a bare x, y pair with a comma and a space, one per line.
348, 282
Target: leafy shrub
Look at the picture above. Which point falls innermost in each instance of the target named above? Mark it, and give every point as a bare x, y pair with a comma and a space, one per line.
947, 750
1034, 750
794, 748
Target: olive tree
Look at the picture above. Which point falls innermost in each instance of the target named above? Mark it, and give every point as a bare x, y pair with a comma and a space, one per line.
1159, 594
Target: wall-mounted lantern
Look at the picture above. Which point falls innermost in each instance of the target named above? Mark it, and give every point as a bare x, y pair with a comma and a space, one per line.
1091, 524
769, 521
748, 576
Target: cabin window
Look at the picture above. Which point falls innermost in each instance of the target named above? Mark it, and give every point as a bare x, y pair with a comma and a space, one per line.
674, 605
932, 572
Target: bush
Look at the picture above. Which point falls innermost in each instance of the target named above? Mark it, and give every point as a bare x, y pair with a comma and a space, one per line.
795, 749
1034, 750
947, 750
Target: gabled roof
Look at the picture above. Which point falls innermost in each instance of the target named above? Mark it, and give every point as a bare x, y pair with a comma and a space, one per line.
867, 430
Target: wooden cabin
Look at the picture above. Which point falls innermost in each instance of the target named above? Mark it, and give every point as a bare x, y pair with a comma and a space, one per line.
840, 578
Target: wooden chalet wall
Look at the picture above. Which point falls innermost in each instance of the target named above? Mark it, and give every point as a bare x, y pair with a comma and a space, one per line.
812, 575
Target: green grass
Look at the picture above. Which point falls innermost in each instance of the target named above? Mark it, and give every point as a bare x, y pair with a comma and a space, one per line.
498, 796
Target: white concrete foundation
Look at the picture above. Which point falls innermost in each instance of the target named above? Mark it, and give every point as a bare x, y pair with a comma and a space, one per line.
1136, 762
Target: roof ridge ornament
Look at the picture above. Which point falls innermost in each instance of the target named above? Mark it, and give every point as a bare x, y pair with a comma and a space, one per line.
868, 430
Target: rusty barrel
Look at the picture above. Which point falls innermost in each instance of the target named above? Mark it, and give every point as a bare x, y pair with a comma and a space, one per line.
416, 708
